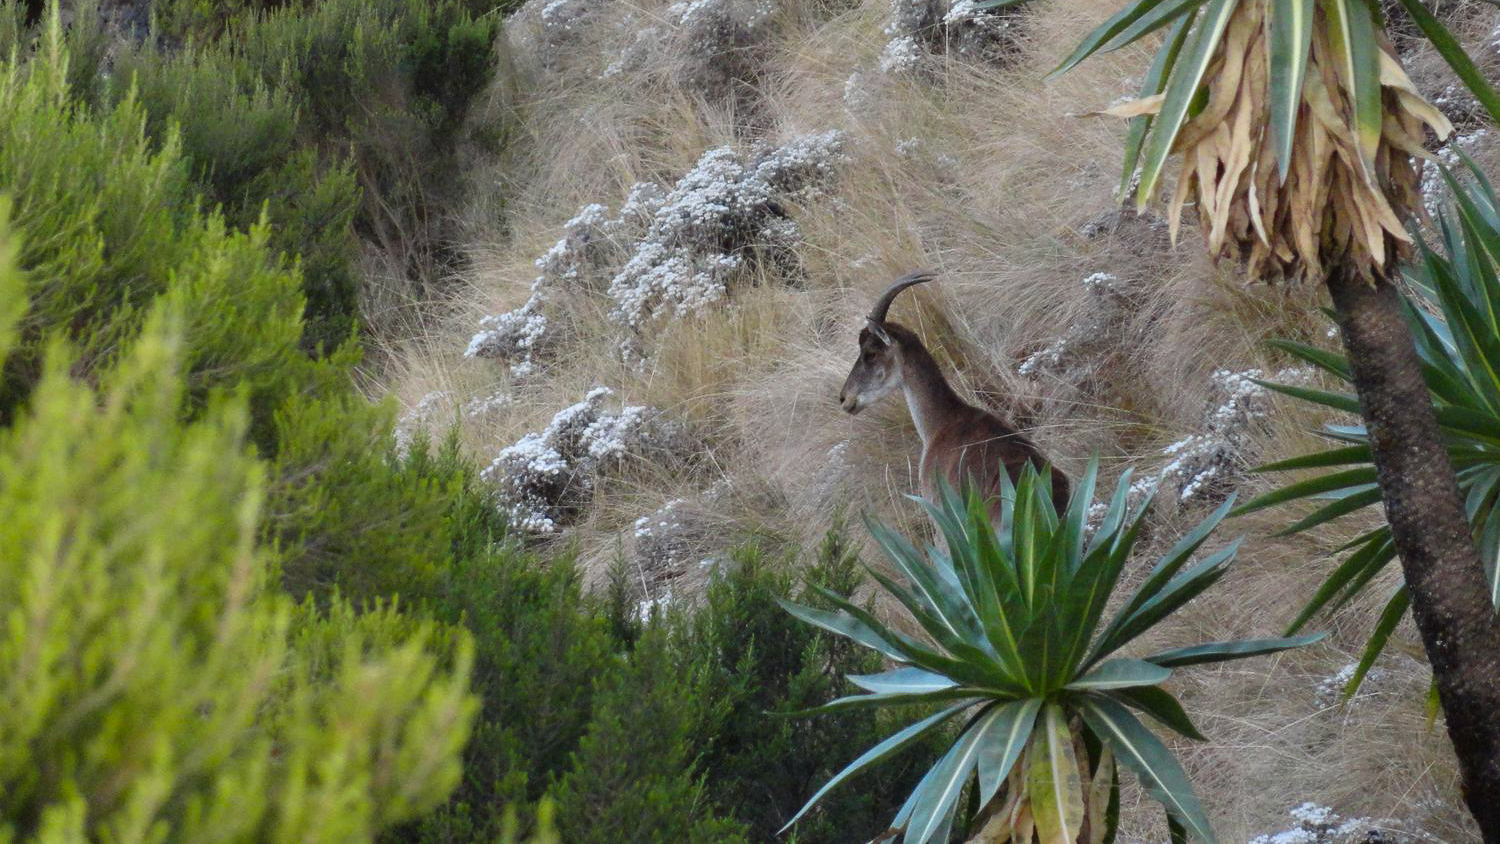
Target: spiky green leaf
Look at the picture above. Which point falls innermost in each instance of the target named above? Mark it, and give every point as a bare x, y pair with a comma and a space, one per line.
1053, 781
1226, 651
880, 752
1291, 39
1120, 674
1182, 87
1144, 753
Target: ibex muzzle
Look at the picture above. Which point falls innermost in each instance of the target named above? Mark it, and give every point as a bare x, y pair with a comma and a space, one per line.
877, 371
961, 443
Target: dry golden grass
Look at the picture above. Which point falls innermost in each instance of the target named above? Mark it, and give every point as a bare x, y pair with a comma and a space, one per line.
985, 175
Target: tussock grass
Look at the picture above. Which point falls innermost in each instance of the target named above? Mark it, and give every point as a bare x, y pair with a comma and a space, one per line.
990, 177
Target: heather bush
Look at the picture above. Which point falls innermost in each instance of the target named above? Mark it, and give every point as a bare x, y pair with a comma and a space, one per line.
109, 222
391, 83
567, 682
758, 664
334, 121
157, 684
247, 155
344, 513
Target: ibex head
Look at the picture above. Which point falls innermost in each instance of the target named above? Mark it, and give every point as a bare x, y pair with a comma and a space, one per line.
877, 371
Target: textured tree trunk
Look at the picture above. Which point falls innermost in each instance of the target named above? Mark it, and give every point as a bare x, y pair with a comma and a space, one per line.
1449, 595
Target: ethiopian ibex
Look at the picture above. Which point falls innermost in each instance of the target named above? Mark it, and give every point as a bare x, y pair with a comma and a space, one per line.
960, 442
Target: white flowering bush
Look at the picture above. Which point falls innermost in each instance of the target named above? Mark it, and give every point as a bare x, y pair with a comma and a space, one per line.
1331, 689
1314, 824
721, 46
718, 220
919, 28
545, 478
593, 243
912, 33
1203, 467
1071, 357
666, 540
419, 418
988, 35
563, 25
669, 253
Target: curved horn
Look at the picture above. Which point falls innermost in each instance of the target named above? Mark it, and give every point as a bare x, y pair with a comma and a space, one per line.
883, 304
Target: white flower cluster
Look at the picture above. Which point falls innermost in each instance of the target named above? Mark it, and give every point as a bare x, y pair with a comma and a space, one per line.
563, 23
1434, 188
1321, 825
859, 94
664, 540
418, 418
921, 27
982, 34
721, 47
721, 216
648, 608
545, 477
902, 54
480, 407
1205, 464
715, 48
592, 243
682, 248
1109, 298
1331, 688
635, 55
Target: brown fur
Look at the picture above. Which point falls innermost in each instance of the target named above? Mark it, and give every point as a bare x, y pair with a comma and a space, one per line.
960, 442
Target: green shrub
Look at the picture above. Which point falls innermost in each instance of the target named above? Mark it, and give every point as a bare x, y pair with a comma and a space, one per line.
328, 120
567, 681
112, 225
109, 222
241, 141
391, 83
157, 684
760, 662
349, 514
632, 778
539, 649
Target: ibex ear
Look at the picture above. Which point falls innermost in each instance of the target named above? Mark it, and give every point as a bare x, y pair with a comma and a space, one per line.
879, 331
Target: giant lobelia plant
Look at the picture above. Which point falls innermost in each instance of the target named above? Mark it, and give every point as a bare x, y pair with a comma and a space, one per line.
1455, 321
1017, 651
1297, 131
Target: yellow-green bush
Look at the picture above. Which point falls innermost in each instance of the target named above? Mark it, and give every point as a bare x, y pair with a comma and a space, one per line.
158, 684
241, 142
113, 223
108, 222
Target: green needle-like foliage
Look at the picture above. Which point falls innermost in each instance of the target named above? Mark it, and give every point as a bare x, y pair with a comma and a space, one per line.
1455, 322
1018, 649
158, 686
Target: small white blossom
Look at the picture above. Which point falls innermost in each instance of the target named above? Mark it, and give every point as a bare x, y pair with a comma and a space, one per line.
668, 253
545, 477
1315, 824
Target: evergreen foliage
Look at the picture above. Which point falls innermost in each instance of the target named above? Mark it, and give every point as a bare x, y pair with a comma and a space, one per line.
157, 684
761, 663
330, 120
657, 730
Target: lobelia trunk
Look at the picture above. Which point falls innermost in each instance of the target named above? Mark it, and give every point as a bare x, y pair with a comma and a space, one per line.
1444, 576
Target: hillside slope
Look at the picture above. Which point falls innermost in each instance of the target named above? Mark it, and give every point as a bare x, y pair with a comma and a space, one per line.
708, 198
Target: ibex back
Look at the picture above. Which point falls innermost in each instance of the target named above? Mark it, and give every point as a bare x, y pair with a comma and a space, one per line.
960, 442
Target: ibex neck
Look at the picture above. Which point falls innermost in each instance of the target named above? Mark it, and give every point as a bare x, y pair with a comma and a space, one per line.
928, 396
